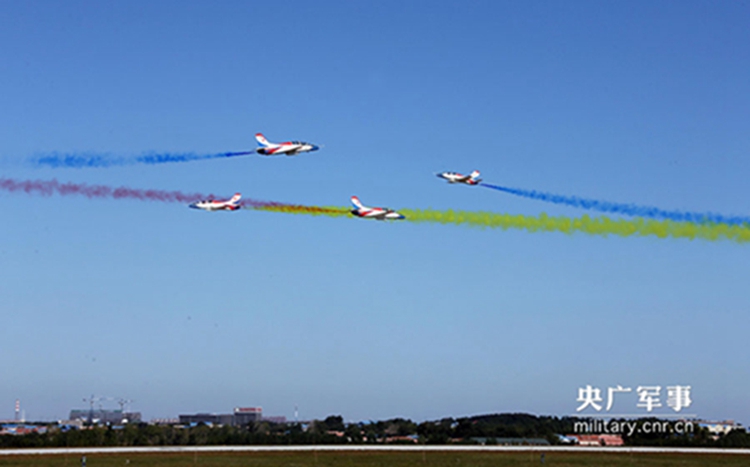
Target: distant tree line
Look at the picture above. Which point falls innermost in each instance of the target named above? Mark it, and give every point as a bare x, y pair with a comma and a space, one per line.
333, 430
516, 425
698, 437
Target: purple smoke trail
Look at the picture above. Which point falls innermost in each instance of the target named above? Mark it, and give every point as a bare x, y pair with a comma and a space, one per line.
52, 187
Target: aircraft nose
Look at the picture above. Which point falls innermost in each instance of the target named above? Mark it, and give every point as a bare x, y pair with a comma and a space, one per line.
193, 205
314, 147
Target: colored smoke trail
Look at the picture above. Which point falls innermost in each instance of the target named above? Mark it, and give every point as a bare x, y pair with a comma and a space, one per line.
622, 208
78, 161
331, 211
602, 226
53, 187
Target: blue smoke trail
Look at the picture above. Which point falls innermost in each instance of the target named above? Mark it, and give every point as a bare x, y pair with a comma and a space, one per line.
626, 209
78, 161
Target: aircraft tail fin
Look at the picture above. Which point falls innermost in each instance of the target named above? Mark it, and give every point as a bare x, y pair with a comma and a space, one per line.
262, 141
235, 198
474, 174
357, 203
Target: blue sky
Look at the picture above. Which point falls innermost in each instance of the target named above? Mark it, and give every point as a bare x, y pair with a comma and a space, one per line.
185, 311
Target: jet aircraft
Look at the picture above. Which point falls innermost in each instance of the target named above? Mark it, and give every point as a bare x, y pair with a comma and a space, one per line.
290, 148
453, 177
231, 204
380, 214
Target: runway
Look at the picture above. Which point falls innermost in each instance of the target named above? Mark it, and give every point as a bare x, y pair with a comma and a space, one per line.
363, 448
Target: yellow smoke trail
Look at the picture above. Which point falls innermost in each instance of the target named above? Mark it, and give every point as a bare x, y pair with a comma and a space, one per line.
602, 226
331, 211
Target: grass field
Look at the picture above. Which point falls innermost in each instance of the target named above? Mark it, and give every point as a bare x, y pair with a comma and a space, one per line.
378, 459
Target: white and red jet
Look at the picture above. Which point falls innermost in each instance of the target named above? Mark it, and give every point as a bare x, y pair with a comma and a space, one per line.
380, 214
290, 148
453, 177
231, 204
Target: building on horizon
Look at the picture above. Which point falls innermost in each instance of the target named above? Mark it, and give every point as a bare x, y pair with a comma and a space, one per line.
246, 415
21, 428
242, 416
207, 419
598, 440
164, 421
719, 428
278, 419
105, 417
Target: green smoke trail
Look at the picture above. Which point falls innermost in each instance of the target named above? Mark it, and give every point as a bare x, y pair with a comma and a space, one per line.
601, 226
